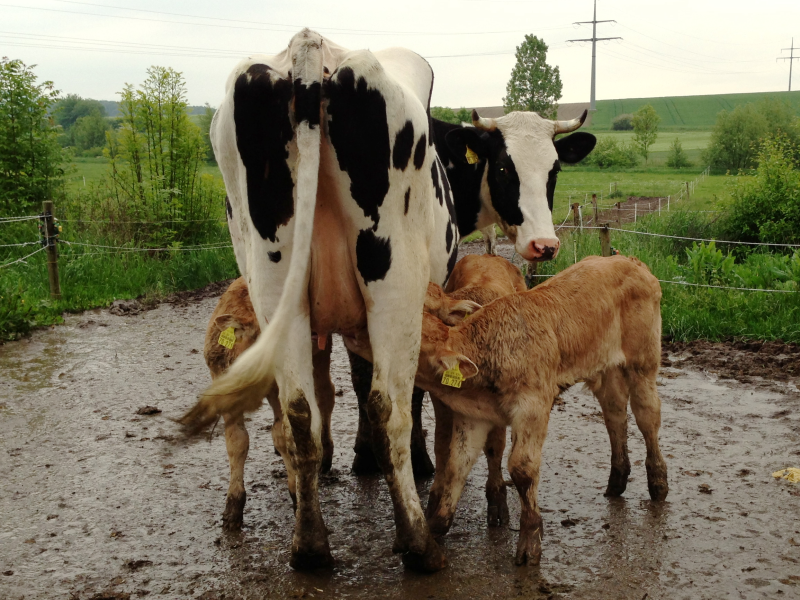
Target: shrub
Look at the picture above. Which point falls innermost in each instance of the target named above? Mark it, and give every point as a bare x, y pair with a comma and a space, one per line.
645, 126
677, 158
622, 122
609, 152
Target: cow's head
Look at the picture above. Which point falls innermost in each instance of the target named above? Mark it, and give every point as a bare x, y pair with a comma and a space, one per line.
522, 161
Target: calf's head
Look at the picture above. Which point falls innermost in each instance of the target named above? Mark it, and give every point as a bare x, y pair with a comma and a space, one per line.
522, 161
450, 310
435, 354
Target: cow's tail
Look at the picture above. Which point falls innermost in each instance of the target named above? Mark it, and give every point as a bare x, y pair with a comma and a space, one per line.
243, 387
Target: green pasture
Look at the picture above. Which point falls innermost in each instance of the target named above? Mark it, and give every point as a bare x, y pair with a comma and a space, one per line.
684, 112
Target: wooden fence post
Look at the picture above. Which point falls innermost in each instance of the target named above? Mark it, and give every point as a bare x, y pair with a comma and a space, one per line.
659, 206
619, 213
576, 220
530, 275
605, 240
51, 242
594, 204
687, 190
668, 197
635, 211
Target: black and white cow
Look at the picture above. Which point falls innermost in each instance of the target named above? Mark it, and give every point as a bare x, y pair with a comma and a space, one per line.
343, 212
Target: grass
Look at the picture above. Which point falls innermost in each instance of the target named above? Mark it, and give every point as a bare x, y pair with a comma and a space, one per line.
684, 112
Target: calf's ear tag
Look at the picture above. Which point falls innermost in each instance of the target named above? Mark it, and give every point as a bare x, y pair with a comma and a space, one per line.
227, 338
453, 377
472, 158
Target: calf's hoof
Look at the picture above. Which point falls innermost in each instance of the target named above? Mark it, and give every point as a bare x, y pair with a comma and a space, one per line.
617, 482
365, 463
497, 514
327, 460
439, 525
658, 489
529, 548
311, 558
234, 508
421, 463
432, 559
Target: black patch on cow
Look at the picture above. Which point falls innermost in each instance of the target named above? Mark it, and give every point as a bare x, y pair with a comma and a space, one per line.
359, 133
451, 263
552, 178
574, 148
261, 101
275, 256
503, 180
228, 207
373, 255
306, 102
408, 196
403, 142
435, 181
419, 153
448, 238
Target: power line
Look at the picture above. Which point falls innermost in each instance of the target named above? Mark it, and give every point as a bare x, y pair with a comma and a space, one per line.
594, 39
791, 59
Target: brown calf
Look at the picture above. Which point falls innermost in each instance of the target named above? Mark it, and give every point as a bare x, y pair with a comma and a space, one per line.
234, 310
598, 321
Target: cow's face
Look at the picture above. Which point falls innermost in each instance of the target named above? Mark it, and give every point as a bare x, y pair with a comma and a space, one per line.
521, 162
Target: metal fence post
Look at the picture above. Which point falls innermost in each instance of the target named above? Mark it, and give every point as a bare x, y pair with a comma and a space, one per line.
605, 240
668, 197
51, 243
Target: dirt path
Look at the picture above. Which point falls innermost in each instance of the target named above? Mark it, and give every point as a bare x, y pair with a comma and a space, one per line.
99, 502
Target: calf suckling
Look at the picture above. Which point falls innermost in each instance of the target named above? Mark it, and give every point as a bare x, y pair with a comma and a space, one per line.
598, 321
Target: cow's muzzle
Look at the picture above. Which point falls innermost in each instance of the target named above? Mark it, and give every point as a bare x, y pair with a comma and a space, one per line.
541, 249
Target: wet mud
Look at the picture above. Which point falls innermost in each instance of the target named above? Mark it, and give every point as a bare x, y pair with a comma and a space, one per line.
100, 499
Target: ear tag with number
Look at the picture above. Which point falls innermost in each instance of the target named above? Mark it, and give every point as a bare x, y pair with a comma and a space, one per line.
453, 377
227, 338
472, 158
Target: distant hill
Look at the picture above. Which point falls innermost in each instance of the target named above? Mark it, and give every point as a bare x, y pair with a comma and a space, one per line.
112, 108
676, 112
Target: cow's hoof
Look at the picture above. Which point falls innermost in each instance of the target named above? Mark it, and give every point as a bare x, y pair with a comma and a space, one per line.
529, 548
497, 514
421, 463
327, 460
658, 489
234, 508
310, 559
439, 525
430, 561
365, 463
617, 482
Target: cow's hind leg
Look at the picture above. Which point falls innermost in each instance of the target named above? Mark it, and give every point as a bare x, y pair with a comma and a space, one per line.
281, 447
237, 443
421, 462
467, 441
364, 462
326, 398
646, 406
497, 513
611, 390
528, 432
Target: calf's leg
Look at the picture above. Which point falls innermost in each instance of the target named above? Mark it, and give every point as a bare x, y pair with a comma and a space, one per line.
529, 429
326, 398
467, 441
611, 390
441, 450
237, 443
497, 514
646, 406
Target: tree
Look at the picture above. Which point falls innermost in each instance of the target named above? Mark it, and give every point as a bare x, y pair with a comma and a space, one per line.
31, 160
534, 85
89, 133
677, 157
205, 126
448, 115
622, 123
645, 128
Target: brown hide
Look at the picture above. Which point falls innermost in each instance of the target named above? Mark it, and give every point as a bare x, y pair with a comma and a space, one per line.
483, 278
234, 309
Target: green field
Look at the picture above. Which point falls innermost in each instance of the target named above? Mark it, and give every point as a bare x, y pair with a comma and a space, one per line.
684, 112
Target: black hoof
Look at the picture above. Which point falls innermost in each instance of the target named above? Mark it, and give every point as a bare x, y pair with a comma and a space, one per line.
617, 482
234, 509
327, 461
430, 561
310, 560
658, 490
365, 464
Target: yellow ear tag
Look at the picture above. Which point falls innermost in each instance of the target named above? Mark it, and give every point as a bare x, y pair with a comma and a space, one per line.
453, 377
472, 158
227, 338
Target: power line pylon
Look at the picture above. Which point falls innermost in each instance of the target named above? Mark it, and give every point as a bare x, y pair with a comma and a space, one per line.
594, 39
791, 58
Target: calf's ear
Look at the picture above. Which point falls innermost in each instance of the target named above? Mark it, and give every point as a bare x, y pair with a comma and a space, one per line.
467, 145
225, 321
574, 148
465, 365
460, 310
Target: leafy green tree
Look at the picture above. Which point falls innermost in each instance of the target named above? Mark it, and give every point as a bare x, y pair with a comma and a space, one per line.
89, 133
609, 153
205, 126
622, 123
677, 157
737, 134
645, 129
534, 85
448, 115
31, 160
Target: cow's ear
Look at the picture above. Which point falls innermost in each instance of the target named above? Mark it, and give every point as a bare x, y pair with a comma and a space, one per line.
574, 148
460, 310
225, 321
467, 145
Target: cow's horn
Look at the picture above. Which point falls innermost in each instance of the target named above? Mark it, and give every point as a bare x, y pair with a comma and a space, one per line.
571, 125
480, 123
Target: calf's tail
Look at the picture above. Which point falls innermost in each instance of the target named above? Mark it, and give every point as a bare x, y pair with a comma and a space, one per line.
243, 387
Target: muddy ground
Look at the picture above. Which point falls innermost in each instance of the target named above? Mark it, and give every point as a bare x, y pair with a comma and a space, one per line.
98, 501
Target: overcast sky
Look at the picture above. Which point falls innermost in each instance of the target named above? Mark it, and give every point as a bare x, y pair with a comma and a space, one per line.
681, 47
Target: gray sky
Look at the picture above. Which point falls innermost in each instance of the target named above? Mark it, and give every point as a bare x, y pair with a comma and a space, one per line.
675, 48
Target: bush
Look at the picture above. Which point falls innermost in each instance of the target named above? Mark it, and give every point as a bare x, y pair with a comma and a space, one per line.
448, 115
622, 123
677, 158
610, 153
765, 207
